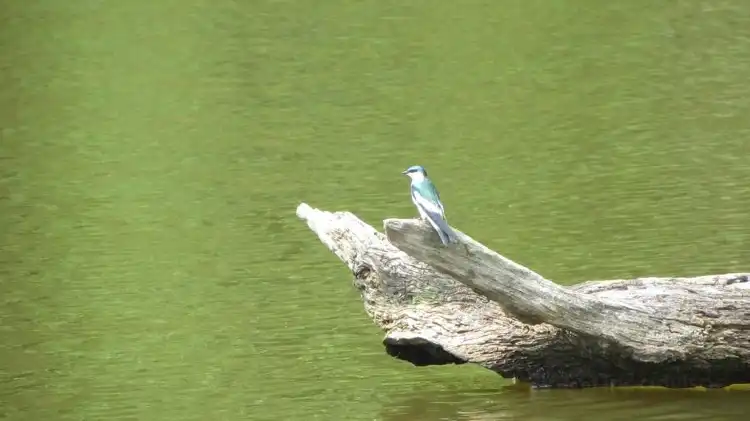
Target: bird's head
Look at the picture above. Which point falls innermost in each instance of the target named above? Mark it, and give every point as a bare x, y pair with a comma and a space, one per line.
415, 172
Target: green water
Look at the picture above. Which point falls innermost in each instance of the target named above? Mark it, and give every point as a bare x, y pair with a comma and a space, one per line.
152, 155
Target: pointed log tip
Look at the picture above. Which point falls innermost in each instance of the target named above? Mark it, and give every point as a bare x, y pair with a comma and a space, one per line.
303, 210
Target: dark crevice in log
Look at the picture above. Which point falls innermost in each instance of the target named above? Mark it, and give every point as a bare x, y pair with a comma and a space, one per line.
420, 353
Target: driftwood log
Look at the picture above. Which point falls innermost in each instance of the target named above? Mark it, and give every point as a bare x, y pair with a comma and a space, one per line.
467, 304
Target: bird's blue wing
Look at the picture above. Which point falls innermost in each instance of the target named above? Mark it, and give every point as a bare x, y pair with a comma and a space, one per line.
429, 193
434, 213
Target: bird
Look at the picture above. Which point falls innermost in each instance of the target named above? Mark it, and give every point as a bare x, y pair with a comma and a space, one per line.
427, 200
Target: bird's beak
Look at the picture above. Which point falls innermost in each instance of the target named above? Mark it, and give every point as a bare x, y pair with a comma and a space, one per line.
404, 172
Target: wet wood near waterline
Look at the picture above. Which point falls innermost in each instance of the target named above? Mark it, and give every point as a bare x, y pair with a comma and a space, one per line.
468, 304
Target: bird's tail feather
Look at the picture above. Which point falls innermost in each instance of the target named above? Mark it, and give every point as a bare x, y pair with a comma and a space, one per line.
444, 231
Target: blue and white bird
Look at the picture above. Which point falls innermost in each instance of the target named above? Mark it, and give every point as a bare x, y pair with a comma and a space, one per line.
427, 200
